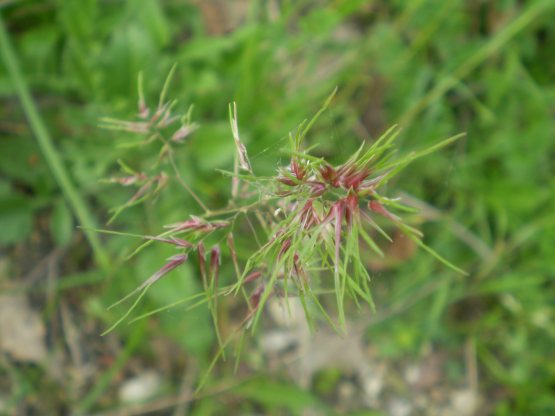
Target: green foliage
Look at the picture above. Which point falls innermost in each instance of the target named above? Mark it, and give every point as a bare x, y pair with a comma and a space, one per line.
435, 68
275, 394
16, 216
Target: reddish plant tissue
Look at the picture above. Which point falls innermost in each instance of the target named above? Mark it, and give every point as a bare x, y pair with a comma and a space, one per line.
311, 214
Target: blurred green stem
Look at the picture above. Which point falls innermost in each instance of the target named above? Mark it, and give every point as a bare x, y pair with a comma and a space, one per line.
48, 150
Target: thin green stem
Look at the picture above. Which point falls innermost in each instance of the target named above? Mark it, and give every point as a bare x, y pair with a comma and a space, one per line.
48, 149
187, 187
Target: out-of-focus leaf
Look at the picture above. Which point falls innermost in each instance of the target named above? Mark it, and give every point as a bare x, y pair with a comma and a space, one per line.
20, 159
61, 224
275, 394
154, 20
16, 219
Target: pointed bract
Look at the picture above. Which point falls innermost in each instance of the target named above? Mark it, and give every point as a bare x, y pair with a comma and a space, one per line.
173, 262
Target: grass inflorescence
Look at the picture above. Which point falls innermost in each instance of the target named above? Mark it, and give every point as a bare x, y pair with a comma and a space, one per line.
310, 220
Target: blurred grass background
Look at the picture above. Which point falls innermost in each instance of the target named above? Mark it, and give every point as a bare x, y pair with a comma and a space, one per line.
435, 67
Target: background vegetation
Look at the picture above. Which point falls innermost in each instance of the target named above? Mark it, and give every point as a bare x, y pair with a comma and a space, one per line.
435, 67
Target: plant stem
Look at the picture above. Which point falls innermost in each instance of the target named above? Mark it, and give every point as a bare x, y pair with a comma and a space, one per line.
187, 187
48, 150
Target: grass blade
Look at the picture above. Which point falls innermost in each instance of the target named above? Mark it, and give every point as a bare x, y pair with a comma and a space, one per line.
48, 149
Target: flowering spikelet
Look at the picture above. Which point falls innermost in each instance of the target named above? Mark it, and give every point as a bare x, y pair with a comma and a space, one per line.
252, 277
215, 261
178, 242
202, 262
378, 208
338, 209
130, 180
254, 300
173, 262
197, 224
351, 208
307, 217
284, 247
241, 149
183, 132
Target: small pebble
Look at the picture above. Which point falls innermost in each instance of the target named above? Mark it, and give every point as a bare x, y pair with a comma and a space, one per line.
140, 388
